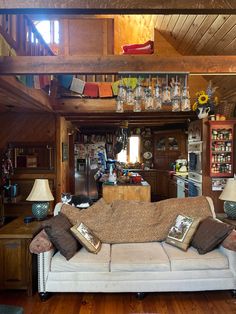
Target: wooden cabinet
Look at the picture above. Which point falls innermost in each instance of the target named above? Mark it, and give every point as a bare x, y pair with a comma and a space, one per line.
168, 146
18, 266
221, 148
134, 192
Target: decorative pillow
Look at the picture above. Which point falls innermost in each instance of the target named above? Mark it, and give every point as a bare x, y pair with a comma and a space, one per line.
230, 241
58, 231
181, 233
209, 234
86, 238
40, 243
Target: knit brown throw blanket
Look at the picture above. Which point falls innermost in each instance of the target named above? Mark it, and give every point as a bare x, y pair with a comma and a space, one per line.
131, 221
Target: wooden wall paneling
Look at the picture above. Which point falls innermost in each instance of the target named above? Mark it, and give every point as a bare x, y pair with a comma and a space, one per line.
226, 41
173, 21
165, 22
193, 29
184, 29
227, 23
199, 48
87, 36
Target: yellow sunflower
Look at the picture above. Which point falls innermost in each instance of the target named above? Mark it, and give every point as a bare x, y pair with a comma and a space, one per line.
194, 106
203, 99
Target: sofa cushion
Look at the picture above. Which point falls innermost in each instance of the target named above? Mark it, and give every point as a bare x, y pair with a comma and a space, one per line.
209, 234
192, 260
83, 261
139, 257
182, 231
58, 231
86, 237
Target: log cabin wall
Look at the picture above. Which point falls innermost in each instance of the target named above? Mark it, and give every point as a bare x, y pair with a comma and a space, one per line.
33, 129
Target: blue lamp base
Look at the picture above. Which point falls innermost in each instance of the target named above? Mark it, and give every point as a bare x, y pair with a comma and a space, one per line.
230, 209
40, 210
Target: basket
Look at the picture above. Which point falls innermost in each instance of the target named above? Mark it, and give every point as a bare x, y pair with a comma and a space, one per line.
225, 108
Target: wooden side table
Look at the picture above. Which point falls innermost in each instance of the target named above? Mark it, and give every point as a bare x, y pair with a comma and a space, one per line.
223, 217
18, 266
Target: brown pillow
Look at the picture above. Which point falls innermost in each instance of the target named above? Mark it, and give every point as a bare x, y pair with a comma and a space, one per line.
58, 231
230, 241
182, 231
209, 234
40, 243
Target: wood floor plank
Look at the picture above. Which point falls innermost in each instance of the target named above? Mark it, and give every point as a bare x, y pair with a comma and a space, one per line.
214, 302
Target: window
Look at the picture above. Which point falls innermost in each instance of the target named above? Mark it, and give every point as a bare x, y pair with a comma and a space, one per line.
49, 31
132, 152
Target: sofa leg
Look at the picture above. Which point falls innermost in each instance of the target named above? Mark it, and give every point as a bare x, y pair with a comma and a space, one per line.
141, 295
44, 296
234, 293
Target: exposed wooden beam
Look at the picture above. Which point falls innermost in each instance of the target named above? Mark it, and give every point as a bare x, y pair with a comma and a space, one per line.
114, 64
37, 98
118, 7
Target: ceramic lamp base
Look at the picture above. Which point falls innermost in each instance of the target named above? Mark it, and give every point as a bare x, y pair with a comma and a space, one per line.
40, 210
230, 209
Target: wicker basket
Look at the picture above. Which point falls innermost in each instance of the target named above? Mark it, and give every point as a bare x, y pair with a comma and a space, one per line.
225, 108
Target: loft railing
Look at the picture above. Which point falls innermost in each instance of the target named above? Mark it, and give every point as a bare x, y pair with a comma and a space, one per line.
22, 35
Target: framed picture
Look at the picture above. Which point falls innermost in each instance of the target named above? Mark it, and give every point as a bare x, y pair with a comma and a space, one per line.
64, 151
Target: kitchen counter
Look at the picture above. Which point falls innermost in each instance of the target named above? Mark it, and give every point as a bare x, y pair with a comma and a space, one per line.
136, 192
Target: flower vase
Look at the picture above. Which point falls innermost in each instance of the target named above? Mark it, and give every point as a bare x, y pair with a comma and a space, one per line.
203, 112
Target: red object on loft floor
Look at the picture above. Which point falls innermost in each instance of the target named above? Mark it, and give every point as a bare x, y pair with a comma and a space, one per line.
145, 48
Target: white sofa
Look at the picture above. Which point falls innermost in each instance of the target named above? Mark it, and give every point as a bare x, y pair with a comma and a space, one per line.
137, 267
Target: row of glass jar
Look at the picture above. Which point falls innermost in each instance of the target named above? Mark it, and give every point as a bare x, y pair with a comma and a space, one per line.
153, 100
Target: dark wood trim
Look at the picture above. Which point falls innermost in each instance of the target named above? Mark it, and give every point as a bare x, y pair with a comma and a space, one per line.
114, 64
118, 7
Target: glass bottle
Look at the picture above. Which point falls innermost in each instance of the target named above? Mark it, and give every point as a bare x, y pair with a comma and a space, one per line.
166, 95
119, 104
137, 104
148, 99
157, 97
185, 100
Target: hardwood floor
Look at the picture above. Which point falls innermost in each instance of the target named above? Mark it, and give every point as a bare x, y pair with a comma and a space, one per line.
124, 303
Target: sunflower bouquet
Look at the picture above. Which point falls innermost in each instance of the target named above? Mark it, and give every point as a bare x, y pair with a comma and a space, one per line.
205, 99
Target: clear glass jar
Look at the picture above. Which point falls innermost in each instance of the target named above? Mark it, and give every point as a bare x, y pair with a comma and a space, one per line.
122, 92
129, 96
137, 104
138, 91
175, 104
148, 99
119, 104
166, 95
185, 100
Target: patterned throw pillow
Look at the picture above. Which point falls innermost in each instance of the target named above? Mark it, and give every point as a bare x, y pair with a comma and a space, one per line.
210, 234
40, 243
181, 233
58, 231
86, 237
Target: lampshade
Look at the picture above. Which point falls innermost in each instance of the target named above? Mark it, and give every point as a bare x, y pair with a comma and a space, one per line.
229, 192
40, 191
229, 197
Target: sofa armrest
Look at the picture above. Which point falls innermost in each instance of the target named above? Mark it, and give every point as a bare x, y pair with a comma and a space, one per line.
231, 255
44, 265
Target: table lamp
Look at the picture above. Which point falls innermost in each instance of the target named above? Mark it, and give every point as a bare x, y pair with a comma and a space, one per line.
40, 195
229, 196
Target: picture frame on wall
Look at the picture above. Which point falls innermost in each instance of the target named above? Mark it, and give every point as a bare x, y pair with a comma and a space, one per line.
64, 151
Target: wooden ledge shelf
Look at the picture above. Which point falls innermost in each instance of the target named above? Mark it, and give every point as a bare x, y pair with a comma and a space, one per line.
113, 64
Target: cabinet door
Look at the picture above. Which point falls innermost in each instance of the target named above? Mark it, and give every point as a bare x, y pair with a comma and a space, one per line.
13, 264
